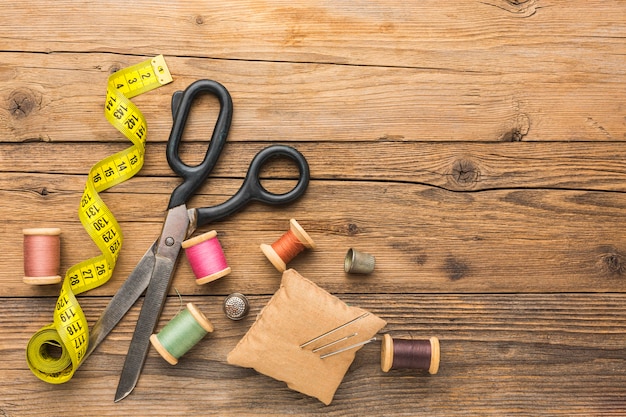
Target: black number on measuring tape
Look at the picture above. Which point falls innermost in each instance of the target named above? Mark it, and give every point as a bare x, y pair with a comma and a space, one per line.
131, 121
87, 273
62, 302
100, 224
109, 235
141, 132
92, 211
110, 103
120, 112
74, 328
78, 342
74, 279
67, 315
85, 200
114, 247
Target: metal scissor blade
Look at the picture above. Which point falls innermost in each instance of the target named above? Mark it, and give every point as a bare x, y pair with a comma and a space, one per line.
146, 324
174, 232
123, 300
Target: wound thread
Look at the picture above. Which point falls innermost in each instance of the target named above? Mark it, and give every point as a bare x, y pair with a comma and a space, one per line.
288, 246
182, 333
410, 354
42, 256
206, 257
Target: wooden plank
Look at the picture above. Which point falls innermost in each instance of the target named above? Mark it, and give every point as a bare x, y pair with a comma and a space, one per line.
425, 239
456, 167
559, 354
495, 36
59, 97
475, 148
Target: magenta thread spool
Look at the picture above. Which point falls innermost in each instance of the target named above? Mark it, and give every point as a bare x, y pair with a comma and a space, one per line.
410, 354
42, 256
206, 257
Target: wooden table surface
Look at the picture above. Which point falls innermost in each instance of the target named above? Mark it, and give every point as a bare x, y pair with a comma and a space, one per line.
475, 148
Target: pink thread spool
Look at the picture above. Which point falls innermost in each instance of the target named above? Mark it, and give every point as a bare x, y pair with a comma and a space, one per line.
42, 256
206, 257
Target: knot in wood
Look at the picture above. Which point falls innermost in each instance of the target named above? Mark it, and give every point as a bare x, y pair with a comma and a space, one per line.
517, 8
22, 102
352, 229
612, 263
115, 67
455, 269
520, 128
465, 173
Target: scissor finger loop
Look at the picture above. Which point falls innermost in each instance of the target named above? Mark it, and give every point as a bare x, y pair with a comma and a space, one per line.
195, 175
253, 183
253, 190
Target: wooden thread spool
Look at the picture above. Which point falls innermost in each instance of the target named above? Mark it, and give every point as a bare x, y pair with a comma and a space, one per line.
288, 246
206, 257
182, 333
410, 354
42, 256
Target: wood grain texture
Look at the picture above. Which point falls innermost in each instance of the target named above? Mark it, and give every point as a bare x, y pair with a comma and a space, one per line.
461, 167
487, 241
317, 102
558, 354
475, 148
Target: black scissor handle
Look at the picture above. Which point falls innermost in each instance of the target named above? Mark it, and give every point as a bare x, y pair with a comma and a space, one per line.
194, 176
253, 190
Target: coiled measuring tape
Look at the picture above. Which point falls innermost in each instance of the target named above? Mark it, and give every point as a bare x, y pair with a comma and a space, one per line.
56, 350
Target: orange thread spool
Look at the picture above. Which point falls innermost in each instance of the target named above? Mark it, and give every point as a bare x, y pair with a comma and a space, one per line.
42, 256
288, 246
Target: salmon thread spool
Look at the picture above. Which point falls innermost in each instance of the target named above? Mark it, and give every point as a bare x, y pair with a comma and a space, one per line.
288, 246
410, 354
206, 257
42, 256
182, 333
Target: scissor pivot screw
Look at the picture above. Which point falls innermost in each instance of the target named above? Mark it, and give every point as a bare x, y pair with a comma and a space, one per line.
169, 241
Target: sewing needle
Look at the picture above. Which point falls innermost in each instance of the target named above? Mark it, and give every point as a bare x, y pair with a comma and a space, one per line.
348, 348
305, 344
317, 349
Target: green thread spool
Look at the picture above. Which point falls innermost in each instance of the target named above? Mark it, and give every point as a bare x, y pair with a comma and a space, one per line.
182, 333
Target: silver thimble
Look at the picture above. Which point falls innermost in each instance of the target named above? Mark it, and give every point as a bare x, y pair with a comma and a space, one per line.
236, 306
358, 262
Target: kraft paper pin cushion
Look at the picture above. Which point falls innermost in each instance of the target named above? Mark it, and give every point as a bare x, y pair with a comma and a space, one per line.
298, 312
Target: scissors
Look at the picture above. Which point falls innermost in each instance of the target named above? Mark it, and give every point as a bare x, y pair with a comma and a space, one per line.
154, 271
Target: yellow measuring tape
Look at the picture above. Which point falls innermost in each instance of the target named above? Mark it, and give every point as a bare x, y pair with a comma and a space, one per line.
55, 351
